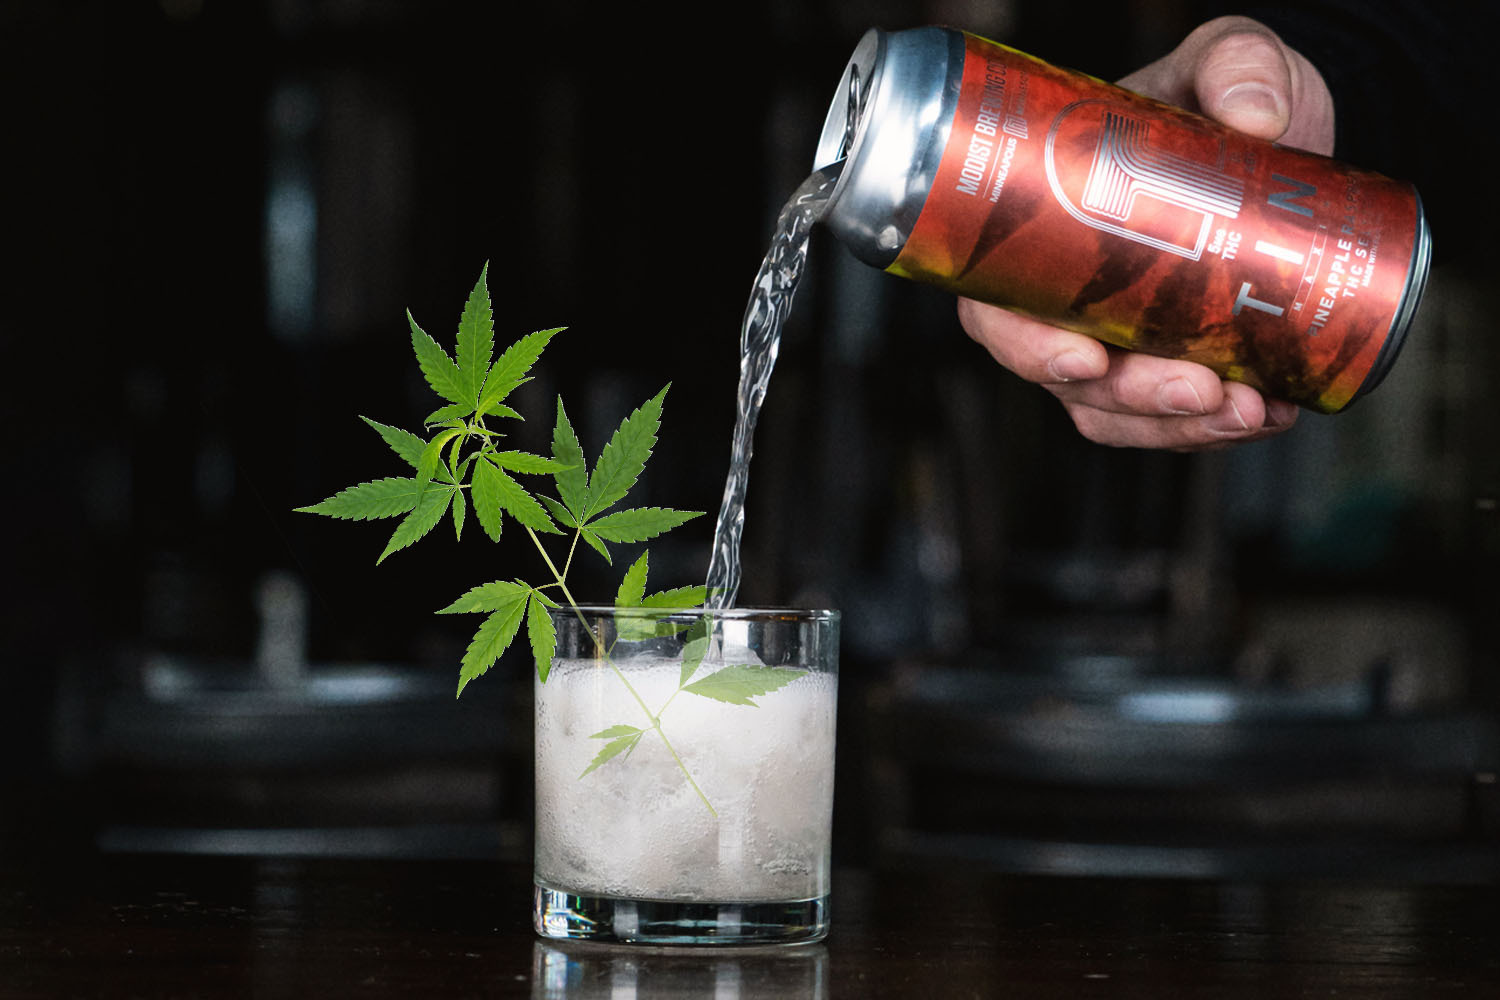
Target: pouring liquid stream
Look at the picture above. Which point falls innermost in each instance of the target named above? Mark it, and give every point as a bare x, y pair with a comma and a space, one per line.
760, 340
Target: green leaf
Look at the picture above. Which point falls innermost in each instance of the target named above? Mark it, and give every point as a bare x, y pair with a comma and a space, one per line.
428, 512
694, 649
500, 410
543, 635
573, 478
456, 475
449, 473
737, 685
494, 392
624, 457
460, 507
513, 497
633, 588
432, 455
612, 750
439, 370
492, 639
509, 370
446, 415
595, 544
524, 462
641, 523
678, 597
487, 498
615, 732
563, 514
495, 596
476, 340
381, 498
403, 443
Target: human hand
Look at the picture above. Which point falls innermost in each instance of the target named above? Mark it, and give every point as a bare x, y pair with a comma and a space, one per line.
1238, 72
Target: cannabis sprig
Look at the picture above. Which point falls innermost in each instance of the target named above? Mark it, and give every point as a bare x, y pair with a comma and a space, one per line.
461, 462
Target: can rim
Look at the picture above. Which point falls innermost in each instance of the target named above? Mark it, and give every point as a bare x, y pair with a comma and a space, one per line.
885, 132
1406, 308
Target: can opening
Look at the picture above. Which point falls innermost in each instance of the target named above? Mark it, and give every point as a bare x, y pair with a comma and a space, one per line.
854, 107
847, 110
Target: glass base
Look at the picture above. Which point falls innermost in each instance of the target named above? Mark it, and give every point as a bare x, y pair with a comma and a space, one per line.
558, 914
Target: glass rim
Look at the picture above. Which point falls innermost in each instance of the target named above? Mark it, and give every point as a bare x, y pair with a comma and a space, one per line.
767, 614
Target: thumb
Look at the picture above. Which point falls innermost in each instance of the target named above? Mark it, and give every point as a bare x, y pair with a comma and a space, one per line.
1240, 73
1243, 79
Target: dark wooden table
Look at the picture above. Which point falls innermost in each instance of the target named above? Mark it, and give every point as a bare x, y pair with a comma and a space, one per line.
203, 927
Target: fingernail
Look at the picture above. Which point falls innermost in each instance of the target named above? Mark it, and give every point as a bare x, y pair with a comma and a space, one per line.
1252, 98
1279, 413
1179, 396
1070, 366
1229, 420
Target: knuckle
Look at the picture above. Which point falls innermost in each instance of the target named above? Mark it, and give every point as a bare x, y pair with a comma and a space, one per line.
977, 320
1245, 47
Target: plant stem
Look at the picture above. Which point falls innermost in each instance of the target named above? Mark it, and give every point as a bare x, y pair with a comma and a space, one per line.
604, 654
571, 549
685, 772
668, 703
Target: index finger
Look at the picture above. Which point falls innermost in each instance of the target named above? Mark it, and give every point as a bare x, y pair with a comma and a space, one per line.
1036, 351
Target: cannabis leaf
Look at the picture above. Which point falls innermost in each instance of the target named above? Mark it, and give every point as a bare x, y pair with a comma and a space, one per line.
541, 633
487, 504
377, 499
694, 648
624, 457
583, 497
632, 595
492, 639
440, 370
509, 371
573, 478
403, 443
622, 739
475, 346
639, 524
460, 509
431, 458
499, 492
506, 604
633, 588
737, 685
429, 511
676, 598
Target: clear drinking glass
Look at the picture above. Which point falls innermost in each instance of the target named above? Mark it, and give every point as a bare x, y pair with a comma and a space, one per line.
684, 776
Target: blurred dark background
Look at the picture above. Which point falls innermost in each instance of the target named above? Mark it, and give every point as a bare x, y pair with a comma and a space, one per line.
1058, 657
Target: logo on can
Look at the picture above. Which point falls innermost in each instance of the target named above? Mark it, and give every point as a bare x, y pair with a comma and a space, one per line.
972, 166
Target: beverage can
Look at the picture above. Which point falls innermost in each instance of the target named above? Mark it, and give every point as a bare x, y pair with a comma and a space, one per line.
969, 165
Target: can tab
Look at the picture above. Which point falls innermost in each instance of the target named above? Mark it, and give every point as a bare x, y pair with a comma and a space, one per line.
854, 109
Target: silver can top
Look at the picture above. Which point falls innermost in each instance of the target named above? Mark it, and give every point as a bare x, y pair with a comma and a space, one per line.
888, 124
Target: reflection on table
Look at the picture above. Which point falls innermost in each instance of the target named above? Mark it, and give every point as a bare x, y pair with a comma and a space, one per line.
582, 971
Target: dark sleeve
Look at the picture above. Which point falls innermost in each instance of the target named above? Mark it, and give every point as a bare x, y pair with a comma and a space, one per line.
1408, 79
